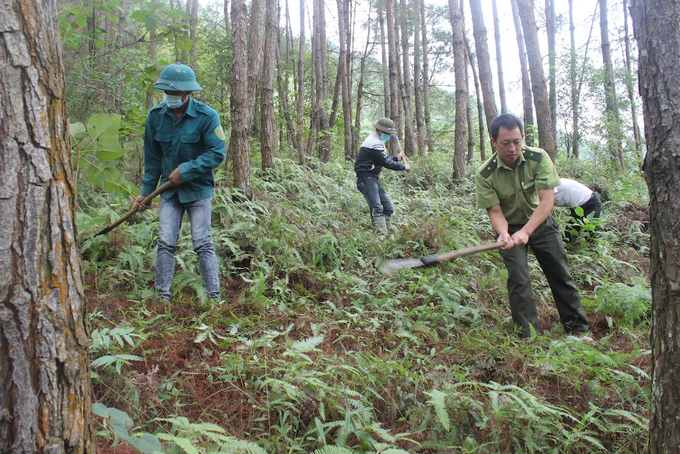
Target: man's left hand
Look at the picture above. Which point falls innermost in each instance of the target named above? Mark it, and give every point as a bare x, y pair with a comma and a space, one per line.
175, 177
520, 238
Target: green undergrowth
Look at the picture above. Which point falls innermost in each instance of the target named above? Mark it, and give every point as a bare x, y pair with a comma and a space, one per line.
314, 349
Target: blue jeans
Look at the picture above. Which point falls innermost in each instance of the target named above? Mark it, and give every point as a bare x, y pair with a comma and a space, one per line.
376, 197
171, 212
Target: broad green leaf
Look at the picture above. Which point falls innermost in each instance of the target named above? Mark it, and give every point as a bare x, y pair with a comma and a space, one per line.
146, 443
104, 128
151, 22
77, 130
139, 16
110, 154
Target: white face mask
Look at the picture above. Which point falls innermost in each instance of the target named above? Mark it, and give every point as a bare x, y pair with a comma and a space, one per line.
173, 101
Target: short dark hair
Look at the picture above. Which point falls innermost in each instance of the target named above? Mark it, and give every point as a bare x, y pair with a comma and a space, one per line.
507, 121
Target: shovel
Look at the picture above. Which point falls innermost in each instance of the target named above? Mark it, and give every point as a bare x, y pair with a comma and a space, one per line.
431, 260
129, 214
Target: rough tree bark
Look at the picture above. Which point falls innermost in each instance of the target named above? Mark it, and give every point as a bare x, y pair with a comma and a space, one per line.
385, 69
575, 106
407, 92
546, 133
499, 59
418, 84
483, 60
344, 74
393, 64
426, 77
256, 32
368, 50
478, 95
320, 115
656, 23
550, 30
268, 139
44, 367
459, 64
468, 111
300, 124
239, 142
527, 97
282, 87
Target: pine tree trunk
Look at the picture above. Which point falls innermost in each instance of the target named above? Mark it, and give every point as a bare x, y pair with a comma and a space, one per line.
575, 106
546, 132
612, 108
268, 131
407, 94
426, 78
400, 80
239, 143
483, 60
470, 120
255, 53
552, 55
385, 64
527, 96
302, 157
656, 28
345, 76
368, 50
321, 81
393, 63
461, 92
45, 395
478, 95
629, 84
418, 85
499, 59
285, 110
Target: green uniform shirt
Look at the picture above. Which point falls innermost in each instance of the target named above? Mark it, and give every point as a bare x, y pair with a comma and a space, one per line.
195, 143
515, 190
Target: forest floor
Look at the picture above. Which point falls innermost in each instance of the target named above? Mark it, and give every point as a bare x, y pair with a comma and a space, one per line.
318, 348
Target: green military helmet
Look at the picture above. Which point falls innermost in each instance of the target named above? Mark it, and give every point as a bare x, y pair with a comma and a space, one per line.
177, 77
385, 125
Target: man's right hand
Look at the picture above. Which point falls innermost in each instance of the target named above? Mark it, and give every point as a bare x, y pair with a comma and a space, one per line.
139, 205
509, 243
407, 166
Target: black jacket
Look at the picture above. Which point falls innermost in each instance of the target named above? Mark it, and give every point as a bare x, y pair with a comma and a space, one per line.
372, 158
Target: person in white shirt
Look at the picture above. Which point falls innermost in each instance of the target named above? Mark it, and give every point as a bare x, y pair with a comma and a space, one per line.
573, 194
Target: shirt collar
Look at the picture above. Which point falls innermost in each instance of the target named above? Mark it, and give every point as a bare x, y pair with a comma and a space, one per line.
520, 159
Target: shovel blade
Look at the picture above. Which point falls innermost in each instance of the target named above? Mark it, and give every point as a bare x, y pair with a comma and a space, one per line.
398, 264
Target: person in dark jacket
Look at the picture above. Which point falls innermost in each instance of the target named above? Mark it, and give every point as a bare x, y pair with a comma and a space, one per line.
183, 143
372, 158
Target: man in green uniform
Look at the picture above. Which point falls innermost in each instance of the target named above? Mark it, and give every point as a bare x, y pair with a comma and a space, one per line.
515, 186
183, 143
